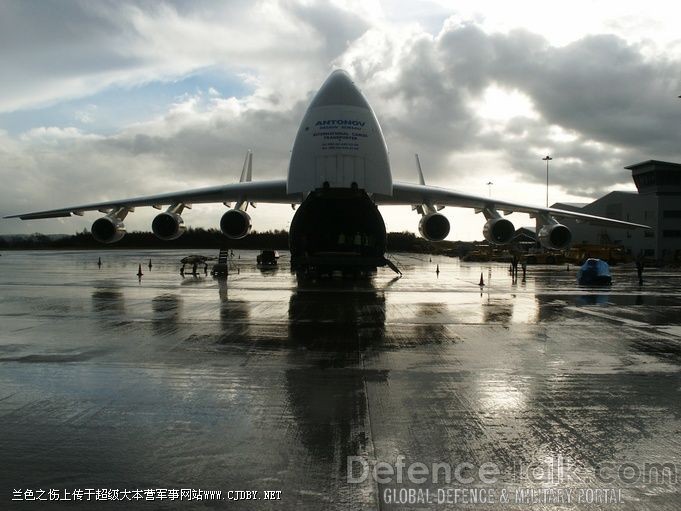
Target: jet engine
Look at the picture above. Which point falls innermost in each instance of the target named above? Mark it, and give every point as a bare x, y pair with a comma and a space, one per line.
108, 229
498, 231
235, 224
555, 236
434, 226
168, 226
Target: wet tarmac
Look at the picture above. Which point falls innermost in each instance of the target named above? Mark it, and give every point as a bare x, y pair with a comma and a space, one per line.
526, 391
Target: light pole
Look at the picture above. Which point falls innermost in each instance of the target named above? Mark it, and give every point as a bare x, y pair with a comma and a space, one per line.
489, 187
547, 159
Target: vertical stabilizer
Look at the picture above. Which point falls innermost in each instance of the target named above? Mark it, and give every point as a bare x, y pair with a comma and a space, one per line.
418, 167
247, 171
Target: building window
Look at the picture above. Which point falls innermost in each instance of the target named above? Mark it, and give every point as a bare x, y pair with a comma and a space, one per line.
668, 178
645, 179
672, 213
649, 252
671, 233
649, 234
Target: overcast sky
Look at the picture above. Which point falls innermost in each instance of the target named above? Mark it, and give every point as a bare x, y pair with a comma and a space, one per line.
110, 99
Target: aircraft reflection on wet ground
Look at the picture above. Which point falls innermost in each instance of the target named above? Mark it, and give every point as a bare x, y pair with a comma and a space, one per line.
259, 382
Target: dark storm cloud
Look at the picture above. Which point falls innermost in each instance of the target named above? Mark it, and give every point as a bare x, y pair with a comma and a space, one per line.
620, 105
605, 91
420, 108
334, 26
60, 44
600, 86
36, 29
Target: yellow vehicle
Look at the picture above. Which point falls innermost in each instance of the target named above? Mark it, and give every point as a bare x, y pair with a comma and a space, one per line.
545, 257
612, 254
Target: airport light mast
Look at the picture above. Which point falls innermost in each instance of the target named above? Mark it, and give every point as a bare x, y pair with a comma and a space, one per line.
547, 158
489, 186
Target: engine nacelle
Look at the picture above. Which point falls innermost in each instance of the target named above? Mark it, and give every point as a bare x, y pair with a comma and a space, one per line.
168, 226
498, 231
555, 236
434, 227
108, 229
235, 224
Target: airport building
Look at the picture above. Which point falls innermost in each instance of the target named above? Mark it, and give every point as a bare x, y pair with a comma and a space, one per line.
657, 203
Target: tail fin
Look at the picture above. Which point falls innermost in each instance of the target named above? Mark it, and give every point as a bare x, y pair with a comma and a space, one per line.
422, 181
247, 171
418, 167
246, 176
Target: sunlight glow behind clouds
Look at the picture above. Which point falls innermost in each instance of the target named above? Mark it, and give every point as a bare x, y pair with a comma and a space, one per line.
497, 104
655, 21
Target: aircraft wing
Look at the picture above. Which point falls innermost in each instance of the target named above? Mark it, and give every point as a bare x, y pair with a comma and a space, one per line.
408, 193
249, 191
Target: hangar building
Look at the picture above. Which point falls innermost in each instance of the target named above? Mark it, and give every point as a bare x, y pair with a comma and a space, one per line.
657, 203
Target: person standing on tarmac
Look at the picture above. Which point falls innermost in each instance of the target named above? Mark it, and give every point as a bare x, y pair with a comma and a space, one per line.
639, 268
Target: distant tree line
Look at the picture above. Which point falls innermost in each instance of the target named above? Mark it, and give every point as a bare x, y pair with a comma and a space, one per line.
195, 238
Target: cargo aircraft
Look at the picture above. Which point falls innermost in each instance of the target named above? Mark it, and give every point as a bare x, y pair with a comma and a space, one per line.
338, 175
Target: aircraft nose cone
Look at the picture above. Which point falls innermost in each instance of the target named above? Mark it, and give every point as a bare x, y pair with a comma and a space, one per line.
339, 89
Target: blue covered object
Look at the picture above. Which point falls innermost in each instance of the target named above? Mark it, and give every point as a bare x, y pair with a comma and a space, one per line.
594, 272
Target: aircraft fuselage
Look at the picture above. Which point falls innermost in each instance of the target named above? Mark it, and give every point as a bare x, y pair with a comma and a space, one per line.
338, 160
